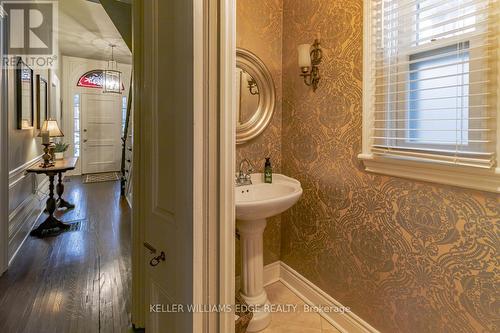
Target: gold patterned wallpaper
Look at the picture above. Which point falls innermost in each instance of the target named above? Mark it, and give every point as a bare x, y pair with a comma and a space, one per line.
259, 30
406, 256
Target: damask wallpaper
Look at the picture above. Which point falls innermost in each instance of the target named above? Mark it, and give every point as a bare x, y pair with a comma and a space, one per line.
259, 30
405, 256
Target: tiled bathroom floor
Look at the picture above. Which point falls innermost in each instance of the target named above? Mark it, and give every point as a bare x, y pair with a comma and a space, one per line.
294, 322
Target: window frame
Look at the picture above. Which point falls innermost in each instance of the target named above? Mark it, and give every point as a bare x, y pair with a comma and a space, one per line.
411, 112
456, 175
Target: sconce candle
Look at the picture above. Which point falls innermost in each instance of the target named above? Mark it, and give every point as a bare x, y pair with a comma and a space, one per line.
309, 59
304, 56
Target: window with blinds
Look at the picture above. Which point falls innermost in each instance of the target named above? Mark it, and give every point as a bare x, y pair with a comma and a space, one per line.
434, 72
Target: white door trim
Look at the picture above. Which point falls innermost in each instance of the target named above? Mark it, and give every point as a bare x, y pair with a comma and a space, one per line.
4, 167
138, 232
227, 56
200, 194
138, 229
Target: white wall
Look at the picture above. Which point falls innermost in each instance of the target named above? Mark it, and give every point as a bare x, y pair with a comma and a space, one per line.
26, 191
20, 204
73, 68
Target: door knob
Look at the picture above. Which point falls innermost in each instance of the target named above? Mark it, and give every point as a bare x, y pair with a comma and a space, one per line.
85, 130
85, 140
156, 260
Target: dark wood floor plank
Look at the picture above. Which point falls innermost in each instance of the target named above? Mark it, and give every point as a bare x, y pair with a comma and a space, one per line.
78, 281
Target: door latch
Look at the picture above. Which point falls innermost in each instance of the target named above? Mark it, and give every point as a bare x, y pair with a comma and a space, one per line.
156, 260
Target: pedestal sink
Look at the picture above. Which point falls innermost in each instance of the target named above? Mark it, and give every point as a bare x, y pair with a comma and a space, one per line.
254, 204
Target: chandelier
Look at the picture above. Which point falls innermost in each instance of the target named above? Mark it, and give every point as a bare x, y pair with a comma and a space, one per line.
112, 76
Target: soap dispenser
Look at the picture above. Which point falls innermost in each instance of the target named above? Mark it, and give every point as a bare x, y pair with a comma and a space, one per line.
268, 171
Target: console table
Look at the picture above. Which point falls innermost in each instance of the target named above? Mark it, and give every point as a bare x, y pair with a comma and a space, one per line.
52, 225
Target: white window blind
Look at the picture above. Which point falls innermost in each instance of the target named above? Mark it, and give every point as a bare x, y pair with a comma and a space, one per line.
434, 73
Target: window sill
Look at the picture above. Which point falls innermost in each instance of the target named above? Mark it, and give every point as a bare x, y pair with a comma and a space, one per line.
467, 177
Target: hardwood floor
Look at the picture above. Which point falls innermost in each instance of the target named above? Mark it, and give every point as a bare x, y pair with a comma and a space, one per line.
79, 281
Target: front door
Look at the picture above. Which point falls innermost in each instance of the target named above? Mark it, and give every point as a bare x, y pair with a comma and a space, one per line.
101, 136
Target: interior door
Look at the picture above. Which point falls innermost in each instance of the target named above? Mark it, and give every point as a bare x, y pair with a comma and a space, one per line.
101, 137
164, 150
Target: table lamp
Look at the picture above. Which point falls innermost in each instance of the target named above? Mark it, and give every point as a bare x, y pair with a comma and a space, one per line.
50, 129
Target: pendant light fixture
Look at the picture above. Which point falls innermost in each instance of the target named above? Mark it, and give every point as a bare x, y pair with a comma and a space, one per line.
112, 76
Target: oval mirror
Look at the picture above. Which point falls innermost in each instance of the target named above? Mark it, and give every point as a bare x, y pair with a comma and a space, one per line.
255, 96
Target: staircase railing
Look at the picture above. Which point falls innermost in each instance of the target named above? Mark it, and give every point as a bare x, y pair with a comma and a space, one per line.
124, 170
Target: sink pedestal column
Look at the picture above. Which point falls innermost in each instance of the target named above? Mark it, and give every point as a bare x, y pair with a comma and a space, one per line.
252, 271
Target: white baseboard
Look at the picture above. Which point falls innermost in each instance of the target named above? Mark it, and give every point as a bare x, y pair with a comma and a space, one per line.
272, 273
345, 322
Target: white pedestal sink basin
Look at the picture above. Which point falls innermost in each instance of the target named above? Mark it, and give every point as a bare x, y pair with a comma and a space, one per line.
254, 204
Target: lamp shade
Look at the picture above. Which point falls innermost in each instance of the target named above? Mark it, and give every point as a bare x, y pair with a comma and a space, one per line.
304, 55
52, 127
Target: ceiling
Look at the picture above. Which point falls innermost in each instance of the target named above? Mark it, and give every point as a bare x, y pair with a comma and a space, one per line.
85, 30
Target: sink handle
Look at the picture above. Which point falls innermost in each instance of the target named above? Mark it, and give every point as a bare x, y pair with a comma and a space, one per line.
244, 178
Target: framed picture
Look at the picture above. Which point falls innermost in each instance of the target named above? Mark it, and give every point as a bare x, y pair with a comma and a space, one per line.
42, 101
24, 95
54, 98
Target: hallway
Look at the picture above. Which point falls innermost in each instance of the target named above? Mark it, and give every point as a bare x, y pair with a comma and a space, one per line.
79, 281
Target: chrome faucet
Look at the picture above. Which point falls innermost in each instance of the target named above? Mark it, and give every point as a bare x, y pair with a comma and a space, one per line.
244, 178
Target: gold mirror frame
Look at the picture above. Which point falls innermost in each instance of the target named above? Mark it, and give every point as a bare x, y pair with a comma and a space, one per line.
251, 64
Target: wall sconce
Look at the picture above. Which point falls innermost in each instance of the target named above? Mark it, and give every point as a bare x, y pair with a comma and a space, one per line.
309, 60
252, 86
